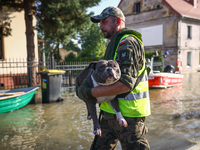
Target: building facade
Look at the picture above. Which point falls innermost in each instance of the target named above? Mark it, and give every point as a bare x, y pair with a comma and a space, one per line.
13, 48
168, 25
14, 45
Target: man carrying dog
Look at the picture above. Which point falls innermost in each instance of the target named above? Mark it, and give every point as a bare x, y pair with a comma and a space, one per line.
127, 49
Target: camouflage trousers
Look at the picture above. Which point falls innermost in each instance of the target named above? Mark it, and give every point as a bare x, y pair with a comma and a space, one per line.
131, 137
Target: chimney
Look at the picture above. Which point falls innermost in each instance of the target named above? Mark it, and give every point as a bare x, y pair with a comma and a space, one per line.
193, 2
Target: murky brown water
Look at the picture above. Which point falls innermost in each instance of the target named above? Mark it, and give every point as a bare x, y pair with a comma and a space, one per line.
173, 125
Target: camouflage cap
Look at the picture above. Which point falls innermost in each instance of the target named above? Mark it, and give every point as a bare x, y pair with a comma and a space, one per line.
109, 11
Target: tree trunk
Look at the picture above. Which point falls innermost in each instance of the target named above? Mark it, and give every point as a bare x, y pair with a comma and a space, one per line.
30, 42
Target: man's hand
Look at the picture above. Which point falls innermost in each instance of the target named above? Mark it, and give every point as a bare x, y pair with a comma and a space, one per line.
84, 91
110, 90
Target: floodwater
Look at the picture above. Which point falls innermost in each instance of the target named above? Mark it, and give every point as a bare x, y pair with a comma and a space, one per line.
173, 125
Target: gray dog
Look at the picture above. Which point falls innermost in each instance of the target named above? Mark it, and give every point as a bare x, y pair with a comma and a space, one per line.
103, 72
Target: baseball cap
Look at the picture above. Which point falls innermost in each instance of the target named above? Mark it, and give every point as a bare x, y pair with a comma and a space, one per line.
109, 11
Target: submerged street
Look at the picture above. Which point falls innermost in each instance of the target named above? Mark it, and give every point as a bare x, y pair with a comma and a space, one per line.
173, 124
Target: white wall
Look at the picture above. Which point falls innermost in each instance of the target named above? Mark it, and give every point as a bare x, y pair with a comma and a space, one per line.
152, 35
15, 45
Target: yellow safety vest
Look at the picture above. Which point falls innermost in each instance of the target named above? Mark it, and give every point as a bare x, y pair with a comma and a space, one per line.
137, 102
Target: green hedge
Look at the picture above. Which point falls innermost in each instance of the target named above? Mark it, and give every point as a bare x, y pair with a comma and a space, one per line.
149, 54
156, 59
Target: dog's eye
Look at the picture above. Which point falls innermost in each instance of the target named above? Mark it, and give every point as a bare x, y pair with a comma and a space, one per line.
114, 65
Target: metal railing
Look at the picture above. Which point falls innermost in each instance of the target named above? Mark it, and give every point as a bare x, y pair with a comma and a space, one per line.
72, 70
13, 73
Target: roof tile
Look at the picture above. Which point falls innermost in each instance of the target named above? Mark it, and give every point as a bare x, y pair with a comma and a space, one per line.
185, 8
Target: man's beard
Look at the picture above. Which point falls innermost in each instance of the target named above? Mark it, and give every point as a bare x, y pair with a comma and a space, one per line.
107, 34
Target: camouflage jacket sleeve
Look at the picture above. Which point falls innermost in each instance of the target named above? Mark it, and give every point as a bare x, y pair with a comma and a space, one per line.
130, 59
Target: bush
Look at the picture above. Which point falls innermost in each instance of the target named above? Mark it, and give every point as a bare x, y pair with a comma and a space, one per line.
156, 59
87, 59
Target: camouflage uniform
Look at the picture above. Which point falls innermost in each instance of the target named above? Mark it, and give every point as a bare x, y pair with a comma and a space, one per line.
129, 57
131, 137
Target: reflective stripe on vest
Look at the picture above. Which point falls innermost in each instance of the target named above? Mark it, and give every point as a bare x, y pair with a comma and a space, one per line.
137, 93
137, 103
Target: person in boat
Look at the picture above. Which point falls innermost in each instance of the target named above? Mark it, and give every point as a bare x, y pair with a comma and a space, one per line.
126, 47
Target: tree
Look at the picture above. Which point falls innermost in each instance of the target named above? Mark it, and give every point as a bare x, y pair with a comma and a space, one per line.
71, 18
5, 21
92, 42
71, 46
28, 7
70, 57
59, 19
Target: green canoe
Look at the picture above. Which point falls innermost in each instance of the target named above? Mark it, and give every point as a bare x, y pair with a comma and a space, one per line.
15, 98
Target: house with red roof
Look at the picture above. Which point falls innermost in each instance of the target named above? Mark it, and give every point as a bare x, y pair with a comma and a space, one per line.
168, 25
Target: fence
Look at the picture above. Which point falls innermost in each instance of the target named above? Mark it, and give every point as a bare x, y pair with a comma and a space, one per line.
72, 70
13, 73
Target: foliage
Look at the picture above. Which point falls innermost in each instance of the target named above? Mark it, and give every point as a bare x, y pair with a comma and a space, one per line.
70, 57
92, 41
79, 59
58, 20
5, 18
71, 46
45, 47
61, 20
5, 22
148, 55
29, 9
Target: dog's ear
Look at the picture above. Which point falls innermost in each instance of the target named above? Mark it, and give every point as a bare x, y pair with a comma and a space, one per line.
93, 65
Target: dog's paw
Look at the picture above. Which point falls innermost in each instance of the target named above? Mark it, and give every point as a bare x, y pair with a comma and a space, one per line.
122, 122
97, 132
89, 117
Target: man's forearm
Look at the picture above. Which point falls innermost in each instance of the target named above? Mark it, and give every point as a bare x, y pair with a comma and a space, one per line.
115, 89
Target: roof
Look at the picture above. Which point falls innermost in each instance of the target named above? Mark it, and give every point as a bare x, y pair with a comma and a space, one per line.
184, 8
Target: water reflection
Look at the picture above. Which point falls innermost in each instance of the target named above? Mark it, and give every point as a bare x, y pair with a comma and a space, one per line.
174, 123
16, 128
168, 108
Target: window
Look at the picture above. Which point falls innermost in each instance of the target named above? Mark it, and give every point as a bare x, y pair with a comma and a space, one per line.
158, 6
189, 32
1, 43
137, 8
189, 59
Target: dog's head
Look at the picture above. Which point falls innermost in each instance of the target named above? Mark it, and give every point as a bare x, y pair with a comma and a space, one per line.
86, 72
106, 72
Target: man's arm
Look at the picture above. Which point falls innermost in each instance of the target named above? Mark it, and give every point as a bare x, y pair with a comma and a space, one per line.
130, 59
115, 89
